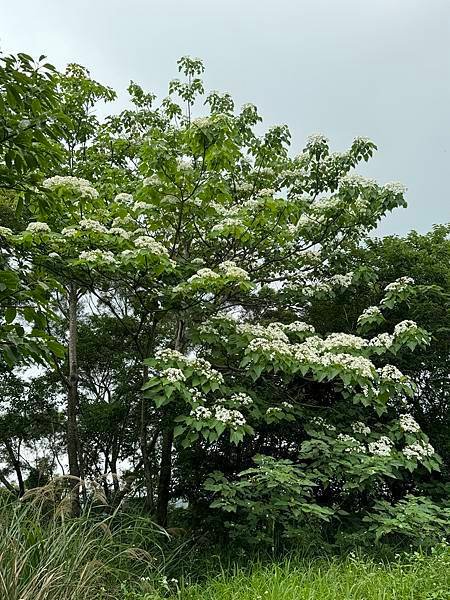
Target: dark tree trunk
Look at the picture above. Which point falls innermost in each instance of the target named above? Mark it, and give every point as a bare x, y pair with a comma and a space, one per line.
165, 476
15, 461
143, 443
72, 402
165, 469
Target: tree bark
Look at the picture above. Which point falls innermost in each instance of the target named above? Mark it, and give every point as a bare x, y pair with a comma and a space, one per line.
165, 476
143, 443
72, 402
15, 461
165, 469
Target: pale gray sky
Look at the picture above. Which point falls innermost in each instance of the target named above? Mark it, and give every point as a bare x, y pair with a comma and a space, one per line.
378, 68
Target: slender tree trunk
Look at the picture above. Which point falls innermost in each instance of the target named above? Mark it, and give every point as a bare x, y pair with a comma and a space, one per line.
15, 461
165, 476
72, 401
143, 443
165, 469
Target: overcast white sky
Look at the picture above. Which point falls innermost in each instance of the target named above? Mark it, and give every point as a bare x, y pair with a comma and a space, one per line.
378, 68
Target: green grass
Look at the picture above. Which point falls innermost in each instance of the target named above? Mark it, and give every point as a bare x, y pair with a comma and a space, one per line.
46, 556
411, 577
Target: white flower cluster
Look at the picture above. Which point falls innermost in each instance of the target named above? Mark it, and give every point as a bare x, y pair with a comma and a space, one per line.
272, 349
173, 375
137, 206
343, 340
405, 327
352, 445
409, 424
273, 410
204, 368
381, 447
69, 231
5, 231
123, 198
395, 187
322, 423
371, 311
92, 225
299, 327
242, 399
228, 223
418, 450
201, 366
382, 340
98, 256
399, 284
202, 275
201, 412
233, 418
342, 280
274, 331
358, 181
359, 427
145, 242
38, 227
229, 269
121, 232
391, 373
73, 185
266, 192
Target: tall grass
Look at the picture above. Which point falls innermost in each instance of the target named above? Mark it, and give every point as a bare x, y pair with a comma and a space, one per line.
410, 577
46, 556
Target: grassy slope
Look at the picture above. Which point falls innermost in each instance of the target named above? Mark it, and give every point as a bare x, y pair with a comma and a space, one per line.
414, 577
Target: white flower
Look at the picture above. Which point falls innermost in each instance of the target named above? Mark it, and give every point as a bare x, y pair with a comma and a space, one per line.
242, 399
357, 181
173, 375
69, 231
342, 280
371, 311
54, 255
395, 187
230, 269
418, 450
141, 206
146, 242
344, 340
71, 185
382, 447
233, 418
352, 445
405, 327
359, 427
382, 340
228, 223
200, 412
203, 274
322, 423
299, 327
38, 227
409, 424
399, 284
123, 198
120, 232
5, 231
92, 225
390, 372
97, 255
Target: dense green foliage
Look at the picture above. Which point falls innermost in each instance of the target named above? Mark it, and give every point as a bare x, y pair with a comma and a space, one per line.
191, 312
